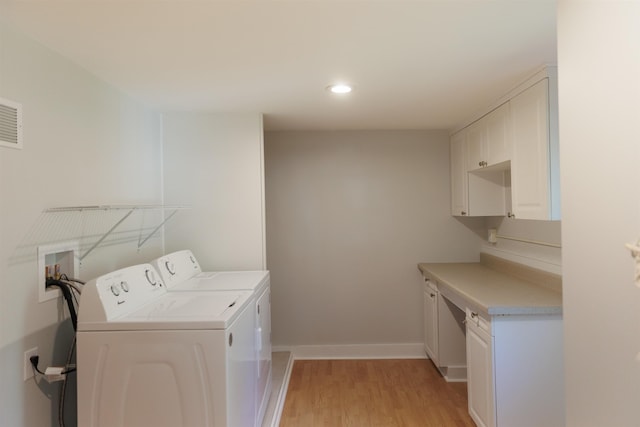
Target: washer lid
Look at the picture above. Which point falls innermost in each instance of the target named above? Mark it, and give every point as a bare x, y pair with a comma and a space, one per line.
179, 311
223, 280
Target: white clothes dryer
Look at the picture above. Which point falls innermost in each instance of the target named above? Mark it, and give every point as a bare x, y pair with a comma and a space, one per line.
148, 357
181, 272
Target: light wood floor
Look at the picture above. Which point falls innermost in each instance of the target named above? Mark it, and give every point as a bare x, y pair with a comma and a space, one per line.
336, 393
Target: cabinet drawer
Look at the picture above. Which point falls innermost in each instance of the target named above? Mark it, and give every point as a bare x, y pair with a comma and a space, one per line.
430, 285
478, 320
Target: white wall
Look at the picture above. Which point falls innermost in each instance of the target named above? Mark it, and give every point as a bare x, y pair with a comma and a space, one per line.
349, 217
546, 255
213, 163
599, 71
84, 143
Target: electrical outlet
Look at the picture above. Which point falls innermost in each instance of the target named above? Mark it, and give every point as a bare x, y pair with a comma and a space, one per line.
28, 369
492, 235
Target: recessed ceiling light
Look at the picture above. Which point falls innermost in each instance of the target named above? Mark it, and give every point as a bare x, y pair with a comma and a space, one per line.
340, 88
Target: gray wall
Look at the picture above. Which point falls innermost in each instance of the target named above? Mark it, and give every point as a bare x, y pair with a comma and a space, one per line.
349, 217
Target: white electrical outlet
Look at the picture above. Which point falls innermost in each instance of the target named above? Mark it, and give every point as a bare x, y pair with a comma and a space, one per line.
28, 369
492, 235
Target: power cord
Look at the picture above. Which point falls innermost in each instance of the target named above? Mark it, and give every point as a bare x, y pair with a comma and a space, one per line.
51, 373
34, 363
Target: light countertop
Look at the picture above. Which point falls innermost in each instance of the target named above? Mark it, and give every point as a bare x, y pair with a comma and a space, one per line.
496, 293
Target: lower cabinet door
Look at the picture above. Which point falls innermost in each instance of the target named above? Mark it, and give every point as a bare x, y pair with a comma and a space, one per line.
480, 382
431, 323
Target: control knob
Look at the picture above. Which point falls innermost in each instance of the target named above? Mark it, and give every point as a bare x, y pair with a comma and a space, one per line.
171, 267
115, 290
125, 286
151, 277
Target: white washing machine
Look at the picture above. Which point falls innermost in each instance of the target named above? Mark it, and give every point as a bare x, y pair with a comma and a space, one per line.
148, 357
181, 272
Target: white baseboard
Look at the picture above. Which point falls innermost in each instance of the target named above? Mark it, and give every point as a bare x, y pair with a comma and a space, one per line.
357, 351
456, 374
282, 395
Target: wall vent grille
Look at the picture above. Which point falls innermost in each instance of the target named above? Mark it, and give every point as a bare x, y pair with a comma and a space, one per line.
10, 124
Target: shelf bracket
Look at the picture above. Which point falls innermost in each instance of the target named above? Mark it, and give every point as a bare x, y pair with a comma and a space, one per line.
140, 244
95, 245
169, 211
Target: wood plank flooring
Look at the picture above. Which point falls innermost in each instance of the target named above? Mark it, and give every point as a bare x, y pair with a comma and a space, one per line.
359, 393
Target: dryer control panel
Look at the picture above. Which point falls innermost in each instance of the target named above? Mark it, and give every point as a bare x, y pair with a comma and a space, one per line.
177, 267
120, 292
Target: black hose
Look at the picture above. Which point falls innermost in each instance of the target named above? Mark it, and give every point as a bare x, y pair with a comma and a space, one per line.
63, 387
66, 292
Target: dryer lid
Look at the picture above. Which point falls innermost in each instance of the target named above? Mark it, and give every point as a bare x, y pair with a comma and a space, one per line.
224, 280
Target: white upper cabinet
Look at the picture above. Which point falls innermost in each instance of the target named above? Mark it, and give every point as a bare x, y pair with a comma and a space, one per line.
489, 140
498, 135
507, 161
481, 192
459, 199
476, 145
534, 180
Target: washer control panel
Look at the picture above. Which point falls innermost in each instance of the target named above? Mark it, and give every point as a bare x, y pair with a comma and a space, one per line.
121, 292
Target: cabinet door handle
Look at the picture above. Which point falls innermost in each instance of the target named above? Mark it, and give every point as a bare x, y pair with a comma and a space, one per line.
474, 318
480, 163
432, 295
463, 213
511, 215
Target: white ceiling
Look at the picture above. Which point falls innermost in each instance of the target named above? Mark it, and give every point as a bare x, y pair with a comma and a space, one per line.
415, 64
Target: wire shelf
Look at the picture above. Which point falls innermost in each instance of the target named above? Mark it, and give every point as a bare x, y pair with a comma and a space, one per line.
96, 226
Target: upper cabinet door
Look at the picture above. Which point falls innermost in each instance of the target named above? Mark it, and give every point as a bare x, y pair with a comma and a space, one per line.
498, 139
530, 171
459, 182
489, 139
476, 145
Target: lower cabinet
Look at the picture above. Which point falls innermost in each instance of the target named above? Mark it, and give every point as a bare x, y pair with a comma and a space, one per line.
480, 392
430, 306
515, 370
444, 340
